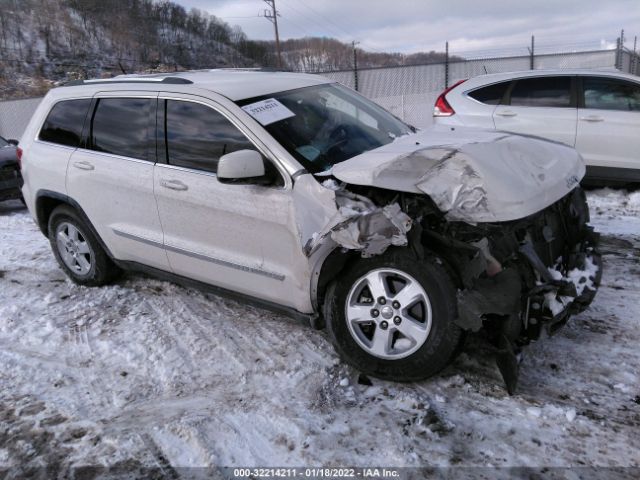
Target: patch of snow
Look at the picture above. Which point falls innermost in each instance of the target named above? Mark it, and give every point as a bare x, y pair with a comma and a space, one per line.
331, 184
147, 372
534, 412
403, 344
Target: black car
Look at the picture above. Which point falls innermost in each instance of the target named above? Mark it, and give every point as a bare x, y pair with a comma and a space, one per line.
10, 178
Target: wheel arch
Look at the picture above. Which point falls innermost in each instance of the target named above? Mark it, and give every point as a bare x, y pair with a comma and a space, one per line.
47, 201
326, 270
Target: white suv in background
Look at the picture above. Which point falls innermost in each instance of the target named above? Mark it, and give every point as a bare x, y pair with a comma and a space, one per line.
302, 196
597, 112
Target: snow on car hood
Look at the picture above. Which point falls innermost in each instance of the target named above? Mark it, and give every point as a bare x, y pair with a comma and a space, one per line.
472, 175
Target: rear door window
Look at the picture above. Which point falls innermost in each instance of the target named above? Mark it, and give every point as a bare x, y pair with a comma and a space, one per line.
197, 136
65, 121
611, 94
542, 92
120, 126
491, 94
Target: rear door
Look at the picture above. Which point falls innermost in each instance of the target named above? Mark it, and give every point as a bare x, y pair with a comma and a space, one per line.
609, 123
111, 176
541, 106
480, 103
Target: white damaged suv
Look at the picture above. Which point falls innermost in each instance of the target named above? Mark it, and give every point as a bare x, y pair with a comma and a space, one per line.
304, 197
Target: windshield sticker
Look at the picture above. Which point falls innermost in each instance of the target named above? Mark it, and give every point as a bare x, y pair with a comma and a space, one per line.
268, 111
309, 152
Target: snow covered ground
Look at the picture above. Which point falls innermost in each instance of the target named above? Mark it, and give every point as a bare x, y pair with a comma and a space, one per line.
147, 373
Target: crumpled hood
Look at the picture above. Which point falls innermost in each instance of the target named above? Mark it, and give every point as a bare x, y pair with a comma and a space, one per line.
472, 175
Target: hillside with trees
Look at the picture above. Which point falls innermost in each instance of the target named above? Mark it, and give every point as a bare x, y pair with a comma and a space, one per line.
46, 42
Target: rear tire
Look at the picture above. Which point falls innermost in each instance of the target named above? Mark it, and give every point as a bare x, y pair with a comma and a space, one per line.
77, 250
372, 330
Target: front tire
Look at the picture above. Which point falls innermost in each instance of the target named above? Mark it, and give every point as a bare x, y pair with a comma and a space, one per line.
77, 250
392, 316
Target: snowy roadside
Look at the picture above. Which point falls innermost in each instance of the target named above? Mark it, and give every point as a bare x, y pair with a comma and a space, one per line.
147, 373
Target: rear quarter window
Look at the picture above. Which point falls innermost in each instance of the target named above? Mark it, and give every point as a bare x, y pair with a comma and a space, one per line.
491, 94
65, 122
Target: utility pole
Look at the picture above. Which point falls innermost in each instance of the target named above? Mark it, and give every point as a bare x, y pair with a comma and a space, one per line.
355, 64
272, 15
531, 52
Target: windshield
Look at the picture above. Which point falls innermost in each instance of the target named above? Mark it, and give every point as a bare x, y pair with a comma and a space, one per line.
325, 124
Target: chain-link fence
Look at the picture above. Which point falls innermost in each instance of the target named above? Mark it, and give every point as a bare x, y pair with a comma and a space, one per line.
15, 115
410, 92
630, 61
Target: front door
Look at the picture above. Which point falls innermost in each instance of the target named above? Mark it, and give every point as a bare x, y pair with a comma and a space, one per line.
609, 124
233, 235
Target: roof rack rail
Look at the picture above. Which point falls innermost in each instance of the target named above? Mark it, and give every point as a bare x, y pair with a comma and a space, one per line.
106, 81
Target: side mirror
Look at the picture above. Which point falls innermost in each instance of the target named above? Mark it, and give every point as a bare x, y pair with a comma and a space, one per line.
13, 141
242, 164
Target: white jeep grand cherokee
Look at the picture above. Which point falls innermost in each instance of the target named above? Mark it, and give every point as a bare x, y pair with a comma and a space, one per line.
305, 197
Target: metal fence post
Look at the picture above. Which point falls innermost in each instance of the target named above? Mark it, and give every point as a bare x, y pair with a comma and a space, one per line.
446, 65
355, 65
633, 64
531, 53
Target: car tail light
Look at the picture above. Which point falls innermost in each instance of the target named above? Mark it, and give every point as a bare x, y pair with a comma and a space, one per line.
19, 157
442, 107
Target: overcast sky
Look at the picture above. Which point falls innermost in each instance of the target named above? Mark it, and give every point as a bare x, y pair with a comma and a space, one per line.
413, 25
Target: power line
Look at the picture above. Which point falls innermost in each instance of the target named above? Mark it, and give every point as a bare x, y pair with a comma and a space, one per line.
304, 15
291, 23
327, 19
349, 34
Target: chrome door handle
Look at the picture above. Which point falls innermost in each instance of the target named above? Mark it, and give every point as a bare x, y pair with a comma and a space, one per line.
507, 113
592, 118
83, 165
173, 184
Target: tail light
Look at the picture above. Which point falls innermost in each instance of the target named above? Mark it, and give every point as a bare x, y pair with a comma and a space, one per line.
442, 107
19, 157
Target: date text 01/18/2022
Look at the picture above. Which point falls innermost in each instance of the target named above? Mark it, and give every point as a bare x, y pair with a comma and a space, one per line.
315, 473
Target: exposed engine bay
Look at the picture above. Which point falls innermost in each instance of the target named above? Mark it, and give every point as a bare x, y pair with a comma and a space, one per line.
518, 279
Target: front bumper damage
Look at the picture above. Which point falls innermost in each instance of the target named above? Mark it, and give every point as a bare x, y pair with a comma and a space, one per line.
516, 279
522, 278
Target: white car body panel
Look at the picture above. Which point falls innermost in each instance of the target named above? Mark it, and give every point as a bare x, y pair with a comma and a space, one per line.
238, 237
117, 195
609, 138
237, 84
473, 175
557, 124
